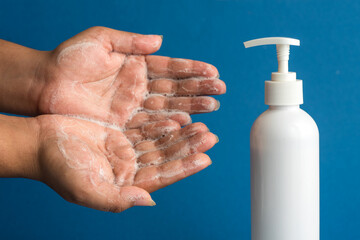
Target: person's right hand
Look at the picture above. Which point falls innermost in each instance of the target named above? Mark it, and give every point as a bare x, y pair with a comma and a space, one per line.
106, 75
109, 169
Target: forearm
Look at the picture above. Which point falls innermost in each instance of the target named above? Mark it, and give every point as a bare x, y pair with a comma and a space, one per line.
18, 147
20, 78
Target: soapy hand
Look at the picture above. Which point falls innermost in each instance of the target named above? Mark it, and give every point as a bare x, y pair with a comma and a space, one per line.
114, 130
106, 75
106, 168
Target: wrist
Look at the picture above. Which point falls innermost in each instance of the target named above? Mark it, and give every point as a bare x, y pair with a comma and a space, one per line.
38, 78
32, 168
19, 145
21, 74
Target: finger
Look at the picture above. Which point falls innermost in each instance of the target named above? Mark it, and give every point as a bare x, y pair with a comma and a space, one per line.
191, 105
172, 138
156, 177
199, 143
111, 198
127, 42
142, 118
165, 67
123, 163
190, 86
151, 131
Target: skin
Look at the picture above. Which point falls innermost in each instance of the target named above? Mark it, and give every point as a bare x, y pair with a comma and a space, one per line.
110, 132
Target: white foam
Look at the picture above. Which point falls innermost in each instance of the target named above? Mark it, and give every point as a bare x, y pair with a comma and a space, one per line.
77, 47
134, 198
98, 122
169, 174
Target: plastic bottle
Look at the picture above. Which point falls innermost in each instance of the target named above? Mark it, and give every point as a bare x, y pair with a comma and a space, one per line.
284, 149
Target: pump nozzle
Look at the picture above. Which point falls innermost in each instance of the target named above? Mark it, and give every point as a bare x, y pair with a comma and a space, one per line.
282, 49
283, 89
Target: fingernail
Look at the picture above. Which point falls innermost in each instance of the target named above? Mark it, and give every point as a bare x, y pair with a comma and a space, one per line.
162, 37
152, 203
144, 202
217, 138
218, 76
218, 105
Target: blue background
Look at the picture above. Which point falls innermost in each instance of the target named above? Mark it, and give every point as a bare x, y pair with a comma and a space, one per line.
213, 204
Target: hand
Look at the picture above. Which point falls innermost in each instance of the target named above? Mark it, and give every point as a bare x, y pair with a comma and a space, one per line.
107, 169
103, 74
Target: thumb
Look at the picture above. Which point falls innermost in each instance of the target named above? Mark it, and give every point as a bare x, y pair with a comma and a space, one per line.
132, 43
112, 198
135, 196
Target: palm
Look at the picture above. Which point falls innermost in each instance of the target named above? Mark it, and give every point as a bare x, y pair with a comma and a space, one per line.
104, 168
94, 76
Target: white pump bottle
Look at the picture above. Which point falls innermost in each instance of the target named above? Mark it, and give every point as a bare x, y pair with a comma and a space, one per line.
284, 149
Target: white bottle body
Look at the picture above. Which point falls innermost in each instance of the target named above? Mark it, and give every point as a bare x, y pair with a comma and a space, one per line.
284, 143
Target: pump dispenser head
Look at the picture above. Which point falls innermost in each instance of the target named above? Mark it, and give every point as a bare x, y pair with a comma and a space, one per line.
283, 89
